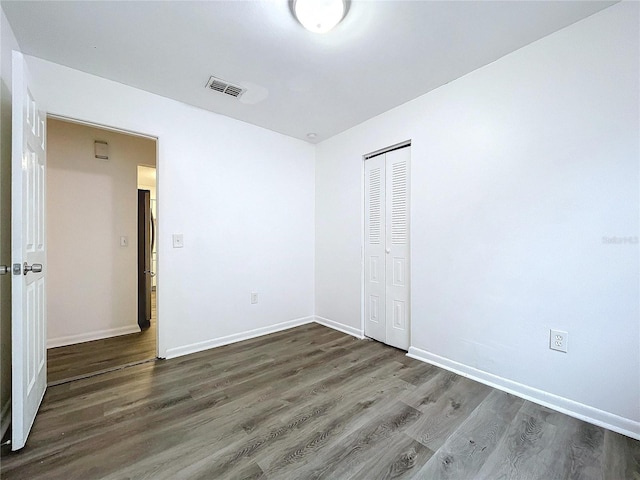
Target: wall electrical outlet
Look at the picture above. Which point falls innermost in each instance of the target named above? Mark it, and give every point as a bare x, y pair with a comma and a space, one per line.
178, 240
254, 297
558, 340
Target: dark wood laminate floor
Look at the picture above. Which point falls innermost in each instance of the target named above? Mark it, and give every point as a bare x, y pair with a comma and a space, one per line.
307, 403
90, 358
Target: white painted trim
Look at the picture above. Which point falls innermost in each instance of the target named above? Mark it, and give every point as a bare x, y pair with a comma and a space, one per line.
236, 337
622, 425
101, 126
341, 327
5, 418
363, 225
88, 337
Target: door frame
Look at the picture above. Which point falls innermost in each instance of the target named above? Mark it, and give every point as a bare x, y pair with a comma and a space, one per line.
363, 224
156, 139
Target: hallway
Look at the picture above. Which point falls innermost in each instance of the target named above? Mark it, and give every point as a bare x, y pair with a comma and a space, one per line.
86, 359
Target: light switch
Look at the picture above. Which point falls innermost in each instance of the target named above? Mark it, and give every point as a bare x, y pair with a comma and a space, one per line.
178, 240
124, 241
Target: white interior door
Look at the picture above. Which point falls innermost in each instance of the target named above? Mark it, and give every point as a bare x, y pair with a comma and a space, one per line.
28, 256
397, 248
387, 285
374, 248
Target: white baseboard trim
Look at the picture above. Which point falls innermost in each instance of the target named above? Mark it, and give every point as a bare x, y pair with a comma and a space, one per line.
572, 408
341, 327
236, 337
5, 418
88, 337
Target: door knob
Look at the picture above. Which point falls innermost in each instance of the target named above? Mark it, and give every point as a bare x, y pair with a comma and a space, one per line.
4, 269
388, 250
35, 268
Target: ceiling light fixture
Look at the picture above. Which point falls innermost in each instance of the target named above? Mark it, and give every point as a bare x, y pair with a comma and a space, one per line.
319, 16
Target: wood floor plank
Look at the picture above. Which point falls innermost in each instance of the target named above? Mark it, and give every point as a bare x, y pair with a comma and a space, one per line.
346, 458
446, 403
467, 448
621, 457
305, 403
523, 452
357, 408
401, 458
419, 373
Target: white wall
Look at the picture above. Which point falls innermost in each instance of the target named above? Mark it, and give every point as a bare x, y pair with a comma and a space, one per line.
8, 43
92, 287
242, 196
519, 170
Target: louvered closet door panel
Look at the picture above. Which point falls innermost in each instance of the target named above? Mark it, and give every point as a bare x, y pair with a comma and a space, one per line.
374, 248
397, 248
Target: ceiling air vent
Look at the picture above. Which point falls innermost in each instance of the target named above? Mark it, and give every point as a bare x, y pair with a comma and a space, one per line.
224, 87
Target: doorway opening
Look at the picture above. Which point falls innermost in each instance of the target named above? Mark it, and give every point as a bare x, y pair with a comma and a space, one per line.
94, 176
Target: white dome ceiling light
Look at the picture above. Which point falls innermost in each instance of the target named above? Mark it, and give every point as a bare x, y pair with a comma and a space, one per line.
319, 16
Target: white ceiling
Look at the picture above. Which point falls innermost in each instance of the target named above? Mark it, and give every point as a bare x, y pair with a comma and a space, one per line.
383, 54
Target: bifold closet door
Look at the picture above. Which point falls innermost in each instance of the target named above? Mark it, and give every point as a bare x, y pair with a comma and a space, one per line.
387, 288
374, 248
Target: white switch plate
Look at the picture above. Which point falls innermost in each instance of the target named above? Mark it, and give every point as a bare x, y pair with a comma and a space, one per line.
178, 240
254, 297
124, 241
558, 340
